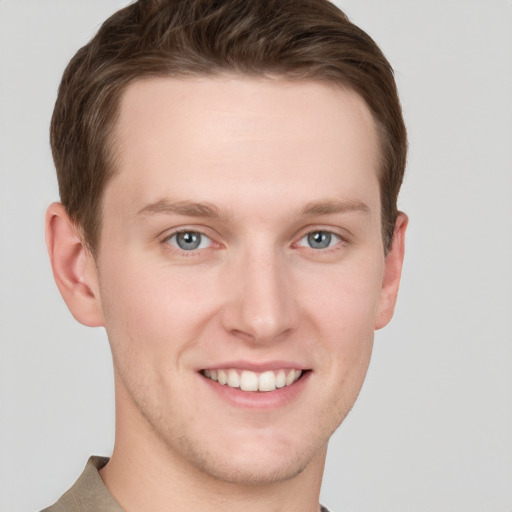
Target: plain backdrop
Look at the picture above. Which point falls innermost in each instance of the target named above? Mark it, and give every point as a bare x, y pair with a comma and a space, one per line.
432, 429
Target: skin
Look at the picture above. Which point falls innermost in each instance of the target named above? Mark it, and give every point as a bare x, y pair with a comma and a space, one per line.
272, 161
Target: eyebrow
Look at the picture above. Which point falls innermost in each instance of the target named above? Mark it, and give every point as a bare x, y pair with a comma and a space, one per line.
209, 210
332, 206
187, 208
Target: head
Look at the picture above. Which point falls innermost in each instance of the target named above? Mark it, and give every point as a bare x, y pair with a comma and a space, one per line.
247, 38
230, 172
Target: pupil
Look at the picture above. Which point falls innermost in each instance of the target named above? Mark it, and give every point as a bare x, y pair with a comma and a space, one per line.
188, 240
319, 240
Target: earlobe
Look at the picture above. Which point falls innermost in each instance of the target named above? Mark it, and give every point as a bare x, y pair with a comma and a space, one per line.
392, 273
73, 267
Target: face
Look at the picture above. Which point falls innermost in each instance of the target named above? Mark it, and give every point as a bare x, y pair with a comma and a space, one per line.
241, 269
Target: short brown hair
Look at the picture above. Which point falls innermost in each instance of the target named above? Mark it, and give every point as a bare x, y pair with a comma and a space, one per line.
295, 39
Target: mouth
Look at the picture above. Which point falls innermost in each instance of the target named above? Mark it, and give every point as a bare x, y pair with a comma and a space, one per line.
253, 382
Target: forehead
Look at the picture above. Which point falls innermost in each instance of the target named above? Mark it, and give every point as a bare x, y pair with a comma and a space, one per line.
201, 135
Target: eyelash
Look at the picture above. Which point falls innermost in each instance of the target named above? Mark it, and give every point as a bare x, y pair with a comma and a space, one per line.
330, 235
185, 252
339, 241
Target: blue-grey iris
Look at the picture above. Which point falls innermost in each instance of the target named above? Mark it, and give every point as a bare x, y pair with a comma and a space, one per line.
319, 239
188, 240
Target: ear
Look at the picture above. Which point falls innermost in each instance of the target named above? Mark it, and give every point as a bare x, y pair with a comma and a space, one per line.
73, 267
392, 273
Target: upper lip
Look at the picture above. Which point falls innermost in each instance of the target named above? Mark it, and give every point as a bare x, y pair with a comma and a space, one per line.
257, 367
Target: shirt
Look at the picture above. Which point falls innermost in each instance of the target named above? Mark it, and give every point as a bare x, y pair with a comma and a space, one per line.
90, 494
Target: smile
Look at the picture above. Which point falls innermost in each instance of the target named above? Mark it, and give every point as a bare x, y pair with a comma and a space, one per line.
247, 380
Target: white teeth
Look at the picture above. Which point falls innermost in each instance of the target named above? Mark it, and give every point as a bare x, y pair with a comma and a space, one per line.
233, 379
222, 377
280, 379
248, 381
267, 381
290, 377
252, 381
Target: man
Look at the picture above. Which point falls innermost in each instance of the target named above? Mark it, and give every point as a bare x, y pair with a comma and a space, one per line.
229, 173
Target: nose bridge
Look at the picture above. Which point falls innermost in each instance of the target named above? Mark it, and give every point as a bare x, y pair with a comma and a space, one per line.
262, 306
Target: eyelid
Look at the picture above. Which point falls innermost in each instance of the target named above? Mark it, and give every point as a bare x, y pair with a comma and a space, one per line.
331, 233
202, 240
342, 234
344, 237
169, 234
343, 240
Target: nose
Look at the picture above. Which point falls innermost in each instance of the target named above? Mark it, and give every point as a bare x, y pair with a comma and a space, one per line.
262, 305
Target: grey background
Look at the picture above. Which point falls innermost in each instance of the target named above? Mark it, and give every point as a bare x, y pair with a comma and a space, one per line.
432, 430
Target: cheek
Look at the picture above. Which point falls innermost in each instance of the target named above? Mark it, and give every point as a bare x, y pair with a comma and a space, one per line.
153, 306
343, 311
346, 296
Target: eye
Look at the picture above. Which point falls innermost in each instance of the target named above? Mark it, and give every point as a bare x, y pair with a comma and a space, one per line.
319, 240
189, 240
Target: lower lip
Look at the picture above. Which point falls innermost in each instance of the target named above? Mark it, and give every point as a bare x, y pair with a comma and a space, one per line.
258, 399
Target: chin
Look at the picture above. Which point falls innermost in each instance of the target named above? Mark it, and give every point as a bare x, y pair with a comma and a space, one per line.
251, 470
262, 462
